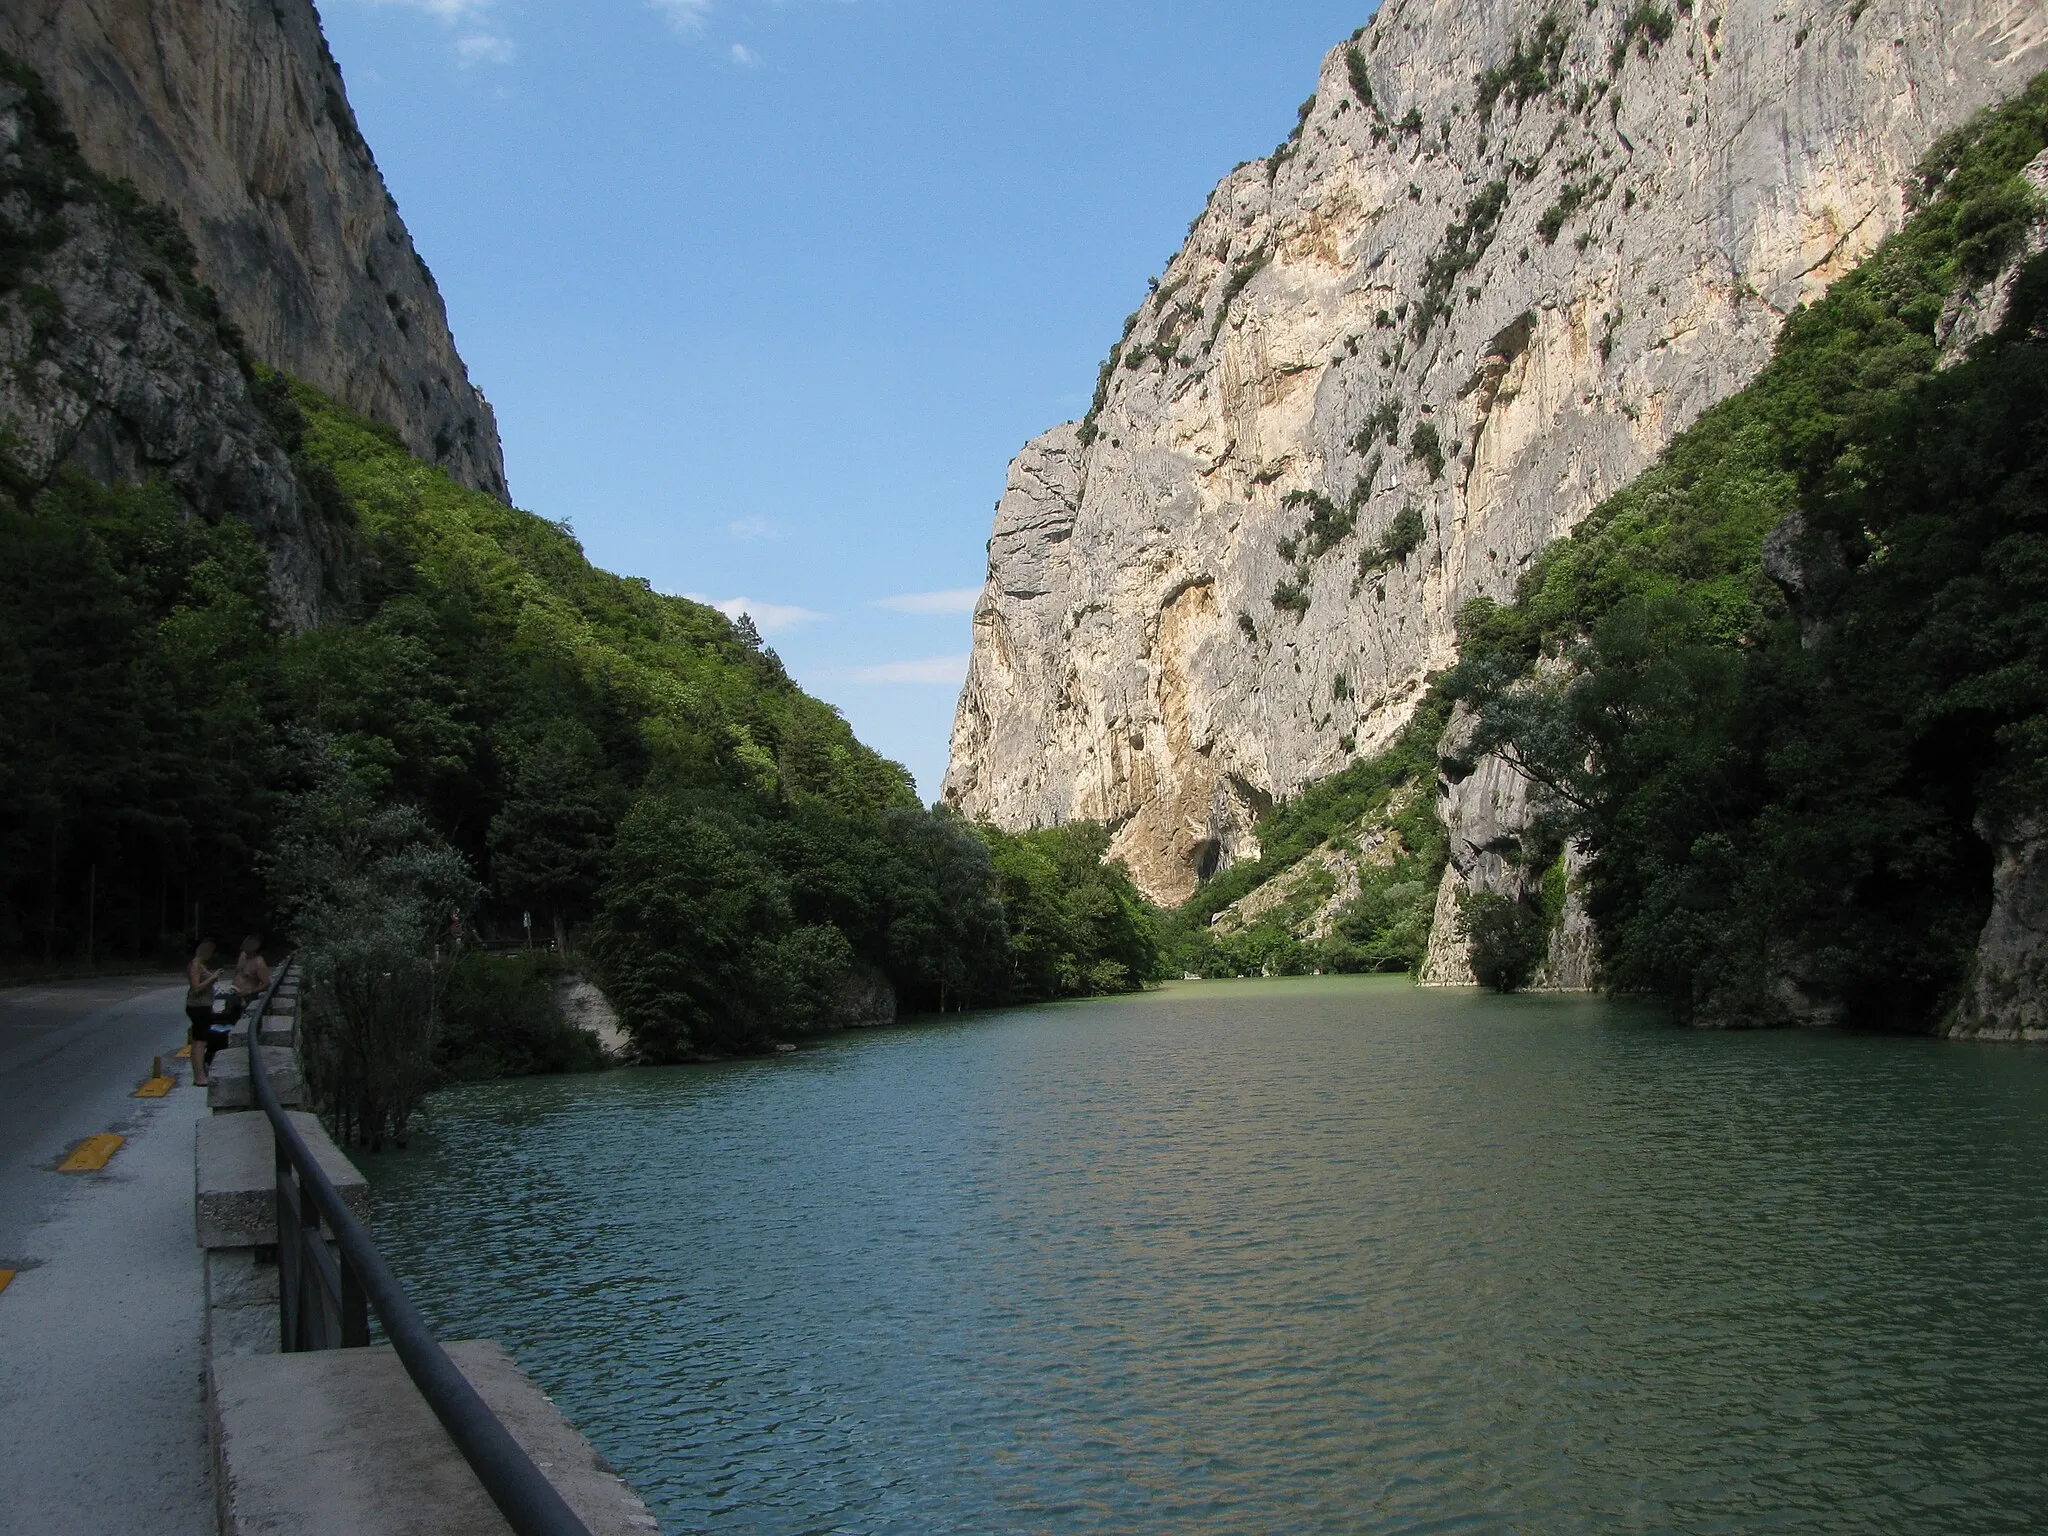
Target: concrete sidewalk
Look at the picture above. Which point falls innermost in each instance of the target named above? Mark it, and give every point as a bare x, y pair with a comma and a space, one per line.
102, 1415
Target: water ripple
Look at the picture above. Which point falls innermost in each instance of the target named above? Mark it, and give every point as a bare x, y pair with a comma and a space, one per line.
1307, 1256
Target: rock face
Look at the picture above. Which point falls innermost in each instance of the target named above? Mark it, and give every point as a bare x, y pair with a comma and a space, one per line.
2007, 995
109, 365
232, 113
1485, 806
1401, 355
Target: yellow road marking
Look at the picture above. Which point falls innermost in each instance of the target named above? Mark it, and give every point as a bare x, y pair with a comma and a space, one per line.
6, 1278
183, 1053
155, 1088
91, 1154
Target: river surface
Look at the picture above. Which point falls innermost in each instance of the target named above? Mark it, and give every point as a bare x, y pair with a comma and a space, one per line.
1317, 1255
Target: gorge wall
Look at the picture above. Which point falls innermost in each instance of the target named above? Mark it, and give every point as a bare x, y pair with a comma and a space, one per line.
232, 112
1402, 354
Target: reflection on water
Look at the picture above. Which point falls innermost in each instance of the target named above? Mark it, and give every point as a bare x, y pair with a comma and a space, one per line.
1291, 1256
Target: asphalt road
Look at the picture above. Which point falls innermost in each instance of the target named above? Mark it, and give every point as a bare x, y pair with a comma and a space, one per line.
102, 1420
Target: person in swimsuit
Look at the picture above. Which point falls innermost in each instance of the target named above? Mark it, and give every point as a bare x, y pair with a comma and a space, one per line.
199, 1009
252, 974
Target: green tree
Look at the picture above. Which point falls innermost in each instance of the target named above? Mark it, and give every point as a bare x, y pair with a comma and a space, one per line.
549, 838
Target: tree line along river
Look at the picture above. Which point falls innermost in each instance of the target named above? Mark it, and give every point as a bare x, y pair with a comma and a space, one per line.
1311, 1255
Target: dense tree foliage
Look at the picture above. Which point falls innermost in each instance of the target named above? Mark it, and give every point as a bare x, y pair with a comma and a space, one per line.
1788, 788
135, 708
597, 753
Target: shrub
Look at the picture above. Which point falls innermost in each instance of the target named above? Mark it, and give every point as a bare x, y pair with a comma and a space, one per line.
1509, 939
1104, 376
1328, 524
500, 1018
1570, 198
1464, 243
1648, 25
1385, 421
1239, 279
1426, 449
1533, 67
1361, 80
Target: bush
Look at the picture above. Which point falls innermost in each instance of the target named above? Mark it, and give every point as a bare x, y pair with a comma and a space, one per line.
1328, 524
1426, 449
1403, 537
1649, 24
500, 1018
1509, 939
1464, 243
367, 885
1361, 79
1533, 67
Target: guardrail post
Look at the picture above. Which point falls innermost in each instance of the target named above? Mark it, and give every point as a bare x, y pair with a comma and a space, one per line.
288, 1250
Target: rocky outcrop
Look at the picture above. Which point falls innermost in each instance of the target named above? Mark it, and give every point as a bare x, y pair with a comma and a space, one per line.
111, 363
1486, 806
1402, 354
584, 1006
232, 113
2007, 994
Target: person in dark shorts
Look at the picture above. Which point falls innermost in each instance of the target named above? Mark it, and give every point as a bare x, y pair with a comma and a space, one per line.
199, 1009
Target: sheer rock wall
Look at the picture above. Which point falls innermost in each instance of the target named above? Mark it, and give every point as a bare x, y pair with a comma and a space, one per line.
1600, 258
232, 113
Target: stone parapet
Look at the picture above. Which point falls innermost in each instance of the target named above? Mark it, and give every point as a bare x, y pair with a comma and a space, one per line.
235, 1178
229, 1088
337, 1442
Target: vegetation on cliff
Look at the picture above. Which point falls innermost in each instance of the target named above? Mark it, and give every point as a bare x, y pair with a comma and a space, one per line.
1387, 799
1789, 688
1804, 676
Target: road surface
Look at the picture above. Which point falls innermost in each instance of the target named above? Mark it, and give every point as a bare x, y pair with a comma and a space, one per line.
102, 1420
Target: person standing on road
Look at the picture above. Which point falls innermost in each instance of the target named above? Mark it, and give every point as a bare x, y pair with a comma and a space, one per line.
199, 1009
252, 973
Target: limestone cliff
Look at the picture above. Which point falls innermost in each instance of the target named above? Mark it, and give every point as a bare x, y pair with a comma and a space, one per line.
232, 113
1512, 249
116, 362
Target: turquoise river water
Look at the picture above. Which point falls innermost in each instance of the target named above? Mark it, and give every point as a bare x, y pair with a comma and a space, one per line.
1318, 1255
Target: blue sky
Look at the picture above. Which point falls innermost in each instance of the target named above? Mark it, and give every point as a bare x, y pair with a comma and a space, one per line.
767, 292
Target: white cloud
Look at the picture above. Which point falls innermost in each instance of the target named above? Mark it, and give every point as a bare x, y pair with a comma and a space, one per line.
949, 670
769, 618
952, 600
742, 54
447, 10
683, 15
753, 528
483, 48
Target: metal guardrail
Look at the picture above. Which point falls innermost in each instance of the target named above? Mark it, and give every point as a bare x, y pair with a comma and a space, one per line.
324, 1302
